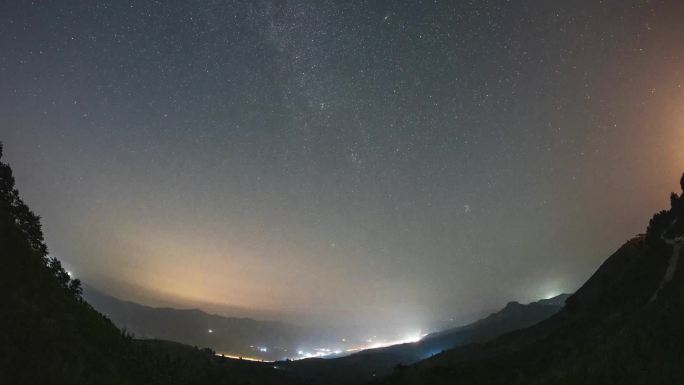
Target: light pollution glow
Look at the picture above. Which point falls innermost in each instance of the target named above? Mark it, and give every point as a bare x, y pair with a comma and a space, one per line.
394, 174
327, 352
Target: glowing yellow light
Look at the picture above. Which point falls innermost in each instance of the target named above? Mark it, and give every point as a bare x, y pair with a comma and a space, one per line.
242, 357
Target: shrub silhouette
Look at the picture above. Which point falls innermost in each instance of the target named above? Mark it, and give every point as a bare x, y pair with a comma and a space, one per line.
50, 335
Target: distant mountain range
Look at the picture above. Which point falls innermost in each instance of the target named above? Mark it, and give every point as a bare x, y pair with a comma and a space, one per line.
273, 340
249, 338
368, 364
623, 326
50, 335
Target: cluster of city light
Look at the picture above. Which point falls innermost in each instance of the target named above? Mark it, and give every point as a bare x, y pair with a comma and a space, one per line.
242, 357
320, 352
317, 352
371, 343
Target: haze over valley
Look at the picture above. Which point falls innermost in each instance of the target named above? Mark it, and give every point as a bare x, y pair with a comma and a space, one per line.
305, 192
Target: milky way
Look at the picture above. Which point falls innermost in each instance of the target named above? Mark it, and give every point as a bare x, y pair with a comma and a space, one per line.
374, 161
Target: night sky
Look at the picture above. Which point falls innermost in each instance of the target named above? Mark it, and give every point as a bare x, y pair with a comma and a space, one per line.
370, 162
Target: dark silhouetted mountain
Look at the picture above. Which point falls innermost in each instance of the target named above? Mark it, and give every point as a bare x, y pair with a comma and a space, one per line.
229, 335
623, 326
50, 335
365, 365
512, 317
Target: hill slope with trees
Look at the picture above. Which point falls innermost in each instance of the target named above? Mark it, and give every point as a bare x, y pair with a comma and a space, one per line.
363, 366
623, 326
50, 335
230, 335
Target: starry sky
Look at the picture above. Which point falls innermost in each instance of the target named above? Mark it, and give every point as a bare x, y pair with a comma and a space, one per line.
361, 162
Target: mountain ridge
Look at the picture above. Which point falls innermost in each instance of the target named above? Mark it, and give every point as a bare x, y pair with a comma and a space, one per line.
623, 326
365, 365
236, 336
50, 335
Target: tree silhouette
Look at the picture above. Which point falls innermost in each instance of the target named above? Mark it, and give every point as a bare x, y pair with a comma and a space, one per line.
50, 335
16, 212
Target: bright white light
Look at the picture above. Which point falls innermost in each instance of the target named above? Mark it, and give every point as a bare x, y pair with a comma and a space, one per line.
371, 343
550, 289
413, 337
210, 331
241, 357
263, 349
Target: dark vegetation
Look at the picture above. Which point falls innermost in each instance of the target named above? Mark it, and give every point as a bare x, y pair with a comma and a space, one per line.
190, 326
237, 336
625, 325
50, 335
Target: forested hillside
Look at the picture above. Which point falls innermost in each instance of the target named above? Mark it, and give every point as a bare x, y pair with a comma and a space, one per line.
50, 335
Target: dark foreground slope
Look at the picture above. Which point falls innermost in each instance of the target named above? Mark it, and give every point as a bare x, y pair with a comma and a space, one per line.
229, 335
366, 365
49, 335
624, 326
